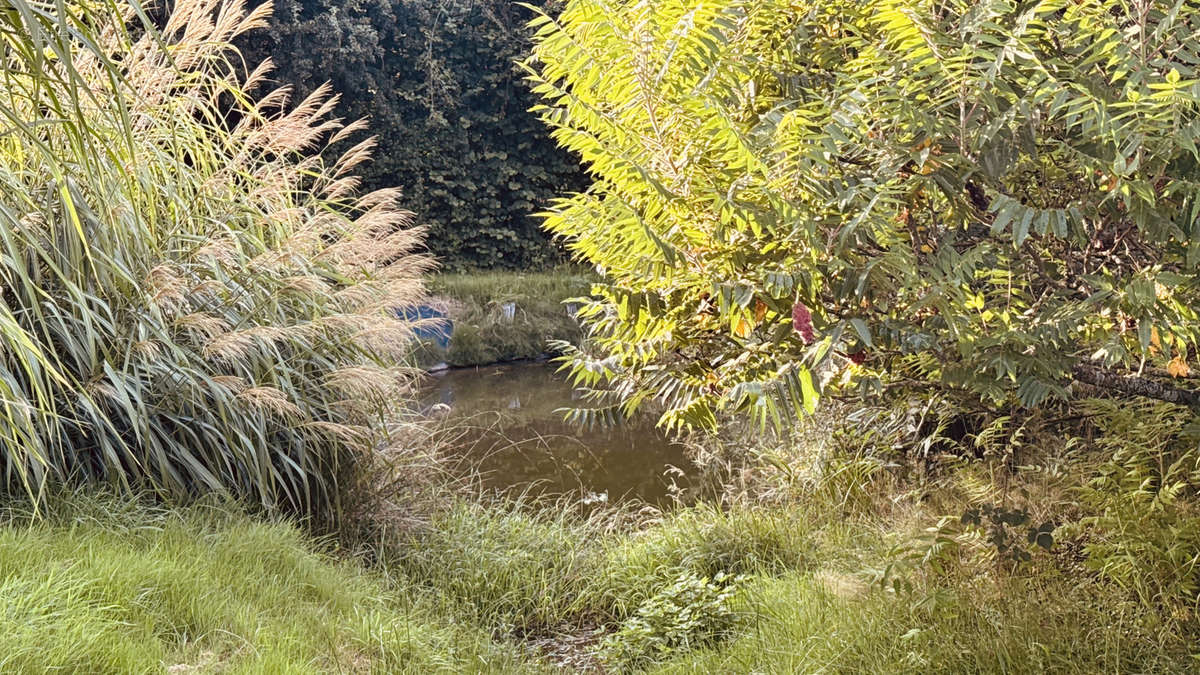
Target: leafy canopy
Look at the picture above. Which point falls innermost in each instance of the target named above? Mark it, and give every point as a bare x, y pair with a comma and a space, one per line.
987, 197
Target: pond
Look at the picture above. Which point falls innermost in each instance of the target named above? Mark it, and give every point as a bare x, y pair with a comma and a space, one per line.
508, 425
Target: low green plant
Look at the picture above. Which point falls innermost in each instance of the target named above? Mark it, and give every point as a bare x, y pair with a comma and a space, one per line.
691, 612
703, 540
1142, 522
1008, 530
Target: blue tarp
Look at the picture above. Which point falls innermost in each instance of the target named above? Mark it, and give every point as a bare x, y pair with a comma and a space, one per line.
437, 332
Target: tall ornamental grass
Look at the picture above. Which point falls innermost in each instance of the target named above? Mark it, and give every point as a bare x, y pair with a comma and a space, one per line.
193, 295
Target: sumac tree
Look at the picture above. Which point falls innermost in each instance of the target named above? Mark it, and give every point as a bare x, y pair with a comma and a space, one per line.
991, 198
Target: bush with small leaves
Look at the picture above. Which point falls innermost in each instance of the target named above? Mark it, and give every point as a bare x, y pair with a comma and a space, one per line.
692, 612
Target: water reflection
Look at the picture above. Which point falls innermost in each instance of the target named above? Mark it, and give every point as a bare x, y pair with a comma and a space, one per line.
509, 430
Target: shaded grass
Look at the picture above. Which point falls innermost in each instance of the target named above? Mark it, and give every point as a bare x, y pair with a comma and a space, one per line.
108, 586
805, 623
482, 332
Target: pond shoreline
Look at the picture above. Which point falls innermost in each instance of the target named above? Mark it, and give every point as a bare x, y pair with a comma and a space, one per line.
503, 317
509, 428
444, 367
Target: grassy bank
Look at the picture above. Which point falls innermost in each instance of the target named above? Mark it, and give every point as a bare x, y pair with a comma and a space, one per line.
113, 587
819, 556
106, 585
486, 332
779, 589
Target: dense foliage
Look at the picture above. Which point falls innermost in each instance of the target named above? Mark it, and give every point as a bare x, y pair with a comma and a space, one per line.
439, 83
191, 302
992, 198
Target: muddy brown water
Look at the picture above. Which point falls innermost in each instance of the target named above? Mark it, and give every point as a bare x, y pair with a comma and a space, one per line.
509, 426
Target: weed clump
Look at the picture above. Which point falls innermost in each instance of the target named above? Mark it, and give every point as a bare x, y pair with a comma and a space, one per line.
691, 612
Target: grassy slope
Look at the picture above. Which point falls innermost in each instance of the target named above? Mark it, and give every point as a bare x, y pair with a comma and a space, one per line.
481, 333
804, 607
811, 623
106, 586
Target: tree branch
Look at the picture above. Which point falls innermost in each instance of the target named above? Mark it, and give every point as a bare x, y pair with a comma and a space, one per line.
1135, 385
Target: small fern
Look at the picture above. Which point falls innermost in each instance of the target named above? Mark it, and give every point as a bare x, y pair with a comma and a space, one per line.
1144, 531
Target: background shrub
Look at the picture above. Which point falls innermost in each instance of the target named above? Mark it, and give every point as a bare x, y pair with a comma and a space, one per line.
439, 82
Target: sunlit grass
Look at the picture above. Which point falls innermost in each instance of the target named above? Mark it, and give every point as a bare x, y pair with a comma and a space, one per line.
1048, 623
105, 585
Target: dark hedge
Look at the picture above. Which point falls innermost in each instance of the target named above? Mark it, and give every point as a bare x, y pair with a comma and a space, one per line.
438, 80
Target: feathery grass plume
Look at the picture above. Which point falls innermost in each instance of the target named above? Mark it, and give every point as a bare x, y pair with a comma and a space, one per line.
188, 284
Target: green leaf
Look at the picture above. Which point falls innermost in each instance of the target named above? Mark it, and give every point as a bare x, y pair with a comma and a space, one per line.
864, 333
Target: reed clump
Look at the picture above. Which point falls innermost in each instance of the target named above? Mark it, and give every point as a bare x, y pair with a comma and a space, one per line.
194, 295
